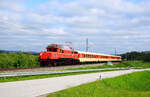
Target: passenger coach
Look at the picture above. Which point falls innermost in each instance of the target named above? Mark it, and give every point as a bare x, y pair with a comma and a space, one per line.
97, 57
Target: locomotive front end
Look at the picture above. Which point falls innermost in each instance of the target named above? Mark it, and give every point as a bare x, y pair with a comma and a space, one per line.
48, 57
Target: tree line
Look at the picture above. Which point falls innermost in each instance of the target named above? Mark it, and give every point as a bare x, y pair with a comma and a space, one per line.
18, 60
129, 56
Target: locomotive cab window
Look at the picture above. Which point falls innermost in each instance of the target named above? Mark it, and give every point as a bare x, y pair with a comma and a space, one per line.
55, 50
52, 49
49, 49
76, 52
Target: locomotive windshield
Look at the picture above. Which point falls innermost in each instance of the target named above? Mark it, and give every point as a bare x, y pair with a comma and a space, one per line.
52, 49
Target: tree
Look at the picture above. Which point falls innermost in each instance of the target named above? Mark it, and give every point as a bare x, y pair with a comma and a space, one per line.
146, 57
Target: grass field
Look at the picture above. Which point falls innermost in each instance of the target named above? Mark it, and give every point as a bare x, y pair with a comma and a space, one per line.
131, 85
123, 64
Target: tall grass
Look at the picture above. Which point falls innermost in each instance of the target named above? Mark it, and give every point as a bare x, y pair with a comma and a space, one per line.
131, 85
19, 60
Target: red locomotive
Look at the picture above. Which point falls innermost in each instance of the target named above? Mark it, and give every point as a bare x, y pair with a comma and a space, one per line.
61, 54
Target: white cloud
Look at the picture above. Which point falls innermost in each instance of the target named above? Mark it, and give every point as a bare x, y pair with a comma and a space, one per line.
55, 31
12, 5
100, 20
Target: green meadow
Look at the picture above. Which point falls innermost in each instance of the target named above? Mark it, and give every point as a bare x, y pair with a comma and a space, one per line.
136, 84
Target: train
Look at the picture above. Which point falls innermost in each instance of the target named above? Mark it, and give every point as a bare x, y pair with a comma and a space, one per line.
58, 54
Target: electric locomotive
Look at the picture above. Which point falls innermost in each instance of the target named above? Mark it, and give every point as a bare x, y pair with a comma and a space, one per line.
58, 54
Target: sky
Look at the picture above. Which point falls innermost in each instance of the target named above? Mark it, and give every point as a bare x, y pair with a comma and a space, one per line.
30, 25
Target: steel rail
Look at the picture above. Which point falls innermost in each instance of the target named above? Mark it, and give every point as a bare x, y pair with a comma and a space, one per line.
60, 72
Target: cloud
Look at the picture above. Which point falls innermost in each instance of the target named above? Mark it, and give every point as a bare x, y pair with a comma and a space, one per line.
55, 31
106, 23
10, 5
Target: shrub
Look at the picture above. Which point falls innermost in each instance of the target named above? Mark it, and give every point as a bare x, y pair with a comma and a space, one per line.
19, 60
6, 61
146, 58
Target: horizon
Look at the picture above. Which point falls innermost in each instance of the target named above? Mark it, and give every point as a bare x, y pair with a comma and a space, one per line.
76, 50
30, 25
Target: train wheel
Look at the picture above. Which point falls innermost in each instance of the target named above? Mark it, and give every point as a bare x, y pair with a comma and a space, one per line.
43, 63
54, 64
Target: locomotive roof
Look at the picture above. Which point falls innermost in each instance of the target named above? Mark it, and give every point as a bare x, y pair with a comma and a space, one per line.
65, 47
96, 53
61, 46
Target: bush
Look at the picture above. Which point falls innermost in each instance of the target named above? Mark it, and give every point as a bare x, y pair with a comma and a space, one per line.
146, 58
19, 60
6, 61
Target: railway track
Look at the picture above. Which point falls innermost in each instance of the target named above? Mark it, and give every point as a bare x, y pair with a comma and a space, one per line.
49, 68
60, 72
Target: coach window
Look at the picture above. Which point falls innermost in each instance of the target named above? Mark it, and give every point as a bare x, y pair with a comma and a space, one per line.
62, 51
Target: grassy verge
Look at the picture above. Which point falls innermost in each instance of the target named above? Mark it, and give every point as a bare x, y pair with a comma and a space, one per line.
123, 64
131, 85
137, 64
31, 77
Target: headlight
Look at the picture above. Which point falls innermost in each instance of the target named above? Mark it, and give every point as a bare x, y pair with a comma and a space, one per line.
40, 54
